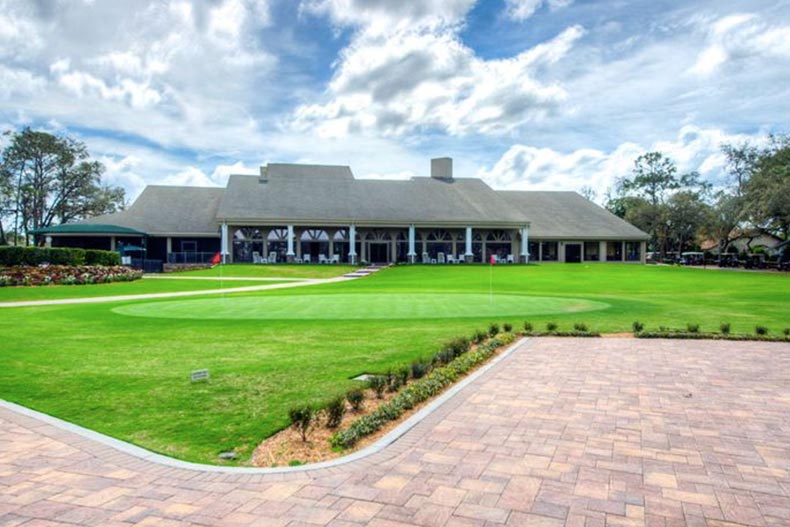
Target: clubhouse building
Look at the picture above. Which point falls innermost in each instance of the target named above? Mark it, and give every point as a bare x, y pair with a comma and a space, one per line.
322, 214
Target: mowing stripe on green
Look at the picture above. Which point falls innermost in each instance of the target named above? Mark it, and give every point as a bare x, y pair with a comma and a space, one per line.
362, 306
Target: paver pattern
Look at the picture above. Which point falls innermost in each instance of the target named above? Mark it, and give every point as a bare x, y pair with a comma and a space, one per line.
575, 432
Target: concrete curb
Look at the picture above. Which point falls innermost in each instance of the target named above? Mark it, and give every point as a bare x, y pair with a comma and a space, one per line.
378, 446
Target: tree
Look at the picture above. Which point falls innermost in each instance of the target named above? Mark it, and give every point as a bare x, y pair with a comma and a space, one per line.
686, 213
54, 181
767, 193
588, 192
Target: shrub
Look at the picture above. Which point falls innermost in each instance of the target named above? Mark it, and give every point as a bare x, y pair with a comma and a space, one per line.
356, 398
493, 329
507, 327
527, 327
692, 328
443, 357
419, 369
301, 418
725, 328
335, 411
786, 332
11, 256
638, 326
761, 330
479, 336
551, 326
580, 327
393, 381
378, 383
403, 375
94, 257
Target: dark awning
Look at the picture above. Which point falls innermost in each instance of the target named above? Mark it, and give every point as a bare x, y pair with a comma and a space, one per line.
86, 228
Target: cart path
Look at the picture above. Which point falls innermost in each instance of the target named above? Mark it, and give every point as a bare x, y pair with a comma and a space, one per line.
563, 432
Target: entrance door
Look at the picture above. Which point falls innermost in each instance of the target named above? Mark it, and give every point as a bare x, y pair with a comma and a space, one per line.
378, 252
573, 252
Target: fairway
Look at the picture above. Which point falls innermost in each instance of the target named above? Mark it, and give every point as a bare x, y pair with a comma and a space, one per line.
123, 368
362, 306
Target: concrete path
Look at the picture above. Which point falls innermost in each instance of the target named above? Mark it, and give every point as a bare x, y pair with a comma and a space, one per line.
224, 278
574, 432
147, 296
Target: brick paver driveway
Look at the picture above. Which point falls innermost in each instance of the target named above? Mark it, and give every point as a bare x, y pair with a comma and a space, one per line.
563, 432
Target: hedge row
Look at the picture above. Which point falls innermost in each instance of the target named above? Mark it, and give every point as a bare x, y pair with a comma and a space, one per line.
12, 256
66, 275
707, 336
418, 391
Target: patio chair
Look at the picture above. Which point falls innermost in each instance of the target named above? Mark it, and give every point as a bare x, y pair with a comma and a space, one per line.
450, 259
322, 259
256, 257
273, 257
440, 258
335, 259
426, 258
306, 259
510, 258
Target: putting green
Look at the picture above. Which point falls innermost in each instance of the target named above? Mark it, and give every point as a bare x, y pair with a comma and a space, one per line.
361, 306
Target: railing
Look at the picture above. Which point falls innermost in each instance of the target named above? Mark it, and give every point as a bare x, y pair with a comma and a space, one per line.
190, 257
147, 266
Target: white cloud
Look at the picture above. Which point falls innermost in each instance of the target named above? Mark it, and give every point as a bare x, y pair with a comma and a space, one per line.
520, 10
739, 37
427, 79
524, 167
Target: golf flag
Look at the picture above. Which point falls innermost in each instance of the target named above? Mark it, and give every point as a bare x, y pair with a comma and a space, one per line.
493, 259
216, 260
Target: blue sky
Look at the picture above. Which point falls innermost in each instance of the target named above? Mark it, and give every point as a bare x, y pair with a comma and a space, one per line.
526, 94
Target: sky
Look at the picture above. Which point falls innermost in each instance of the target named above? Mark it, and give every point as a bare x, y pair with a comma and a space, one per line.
526, 94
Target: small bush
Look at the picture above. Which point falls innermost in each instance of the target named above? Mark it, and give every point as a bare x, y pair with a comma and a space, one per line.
725, 328
692, 328
335, 411
403, 375
493, 330
393, 382
551, 327
507, 327
378, 383
786, 332
527, 327
581, 327
761, 330
356, 398
302, 418
638, 326
419, 369
479, 336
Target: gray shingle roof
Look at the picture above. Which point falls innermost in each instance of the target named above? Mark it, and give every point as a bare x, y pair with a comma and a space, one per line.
162, 210
568, 215
330, 195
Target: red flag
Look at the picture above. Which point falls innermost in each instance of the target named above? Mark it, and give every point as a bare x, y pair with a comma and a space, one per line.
493, 259
216, 260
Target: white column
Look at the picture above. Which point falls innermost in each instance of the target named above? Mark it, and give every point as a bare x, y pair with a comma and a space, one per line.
352, 244
112, 243
602, 251
642, 253
412, 255
525, 245
290, 251
468, 252
224, 242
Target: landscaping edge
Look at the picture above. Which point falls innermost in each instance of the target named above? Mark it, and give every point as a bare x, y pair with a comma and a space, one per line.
381, 444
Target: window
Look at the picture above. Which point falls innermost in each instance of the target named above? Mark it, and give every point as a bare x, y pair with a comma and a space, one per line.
549, 251
189, 246
591, 251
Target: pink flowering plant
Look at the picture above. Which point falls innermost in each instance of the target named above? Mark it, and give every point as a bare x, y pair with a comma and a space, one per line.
24, 275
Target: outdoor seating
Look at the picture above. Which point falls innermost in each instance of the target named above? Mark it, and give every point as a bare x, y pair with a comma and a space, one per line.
510, 259
256, 257
306, 259
322, 259
335, 259
272, 257
450, 259
440, 258
426, 258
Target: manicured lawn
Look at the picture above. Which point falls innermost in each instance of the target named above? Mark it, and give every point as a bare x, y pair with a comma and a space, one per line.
277, 270
123, 368
138, 287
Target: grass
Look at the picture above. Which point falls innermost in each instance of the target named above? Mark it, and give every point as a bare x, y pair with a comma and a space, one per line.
138, 287
276, 270
128, 376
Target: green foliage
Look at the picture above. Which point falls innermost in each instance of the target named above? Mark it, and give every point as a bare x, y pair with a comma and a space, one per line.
302, 418
637, 326
13, 255
419, 368
786, 332
725, 328
335, 411
767, 192
581, 327
527, 327
356, 398
378, 383
96, 257
551, 327
493, 329
692, 328
414, 394
507, 328
479, 336
761, 330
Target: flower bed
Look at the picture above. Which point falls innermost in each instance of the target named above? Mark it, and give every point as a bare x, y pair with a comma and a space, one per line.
66, 275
